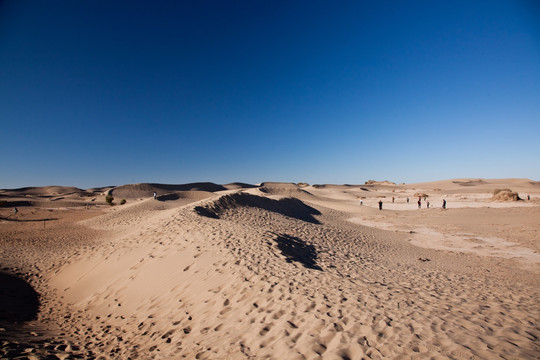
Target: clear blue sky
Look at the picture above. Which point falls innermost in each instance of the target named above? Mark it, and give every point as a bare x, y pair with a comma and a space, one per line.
96, 93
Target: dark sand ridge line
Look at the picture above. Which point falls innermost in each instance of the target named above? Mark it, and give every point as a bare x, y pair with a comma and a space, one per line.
48, 191
50, 203
239, 185
148, 189
15, 219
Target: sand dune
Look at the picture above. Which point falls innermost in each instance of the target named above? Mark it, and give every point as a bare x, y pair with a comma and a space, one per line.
239, 185
290, 207
47, 191
281, 272
284, 189
469, 182
146, 190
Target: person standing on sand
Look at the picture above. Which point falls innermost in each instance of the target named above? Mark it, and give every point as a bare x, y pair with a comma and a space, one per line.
427, 204
407, 200
444, 204
155, 195
419, 203
361, 202
380, 204
529, 197
392, 199
15, 211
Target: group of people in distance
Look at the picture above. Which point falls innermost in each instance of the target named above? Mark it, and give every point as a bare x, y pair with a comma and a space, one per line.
419, 202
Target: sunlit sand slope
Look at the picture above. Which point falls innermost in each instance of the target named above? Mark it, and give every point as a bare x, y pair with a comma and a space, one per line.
255, 276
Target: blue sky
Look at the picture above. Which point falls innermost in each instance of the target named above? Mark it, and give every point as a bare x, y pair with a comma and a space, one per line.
96, 93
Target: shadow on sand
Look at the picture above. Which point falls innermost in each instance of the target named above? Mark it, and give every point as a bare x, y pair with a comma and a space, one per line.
27, 220
296, 249
19, 302
23, 336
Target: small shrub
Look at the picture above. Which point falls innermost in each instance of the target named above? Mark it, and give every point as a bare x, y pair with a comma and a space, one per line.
505, 195
122, 202
496, 191
109, 200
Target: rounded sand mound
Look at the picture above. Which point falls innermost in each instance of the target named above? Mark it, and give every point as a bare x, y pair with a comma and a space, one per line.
48, 191
290, 207
285, 189
147, 189
239, 185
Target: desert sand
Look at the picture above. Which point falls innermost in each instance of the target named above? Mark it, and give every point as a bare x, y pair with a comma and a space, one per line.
271, 271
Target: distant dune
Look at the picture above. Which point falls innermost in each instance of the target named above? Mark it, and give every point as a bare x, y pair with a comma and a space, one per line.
239, 185
285, 189
374, 182
47, 191
470, 182
147, 189
290, 207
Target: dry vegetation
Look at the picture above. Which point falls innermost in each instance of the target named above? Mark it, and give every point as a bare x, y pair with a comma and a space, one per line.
505, 195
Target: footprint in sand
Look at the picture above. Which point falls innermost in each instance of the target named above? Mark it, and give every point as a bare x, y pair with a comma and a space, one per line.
319, 348
295, 338
278, 314
265, 330
293, 325
310, 307
225, 310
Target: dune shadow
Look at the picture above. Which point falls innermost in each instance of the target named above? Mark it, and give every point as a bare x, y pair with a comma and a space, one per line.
148, 189
169, 197
18, 300
205, 211
290, 207
26, 220
296, 249
17, 203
